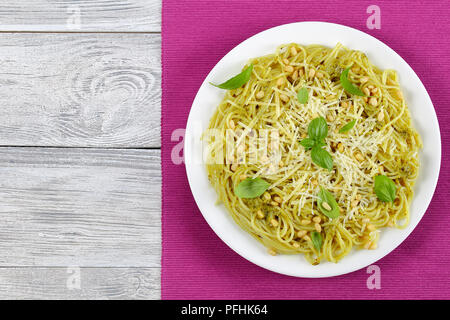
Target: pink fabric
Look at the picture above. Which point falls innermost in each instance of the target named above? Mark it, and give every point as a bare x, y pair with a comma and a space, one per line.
196, 264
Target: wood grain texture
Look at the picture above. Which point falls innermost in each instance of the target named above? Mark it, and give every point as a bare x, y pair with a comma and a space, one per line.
80, 90
76, 15
82, 207
79, 283
94, 211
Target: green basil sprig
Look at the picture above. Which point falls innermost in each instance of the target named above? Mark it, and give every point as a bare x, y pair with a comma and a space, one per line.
251, 188
237, 81
349, 126
385, 188
327, 197
302, 95
321, 157
308, 143
317, 131
348, 86
316, 240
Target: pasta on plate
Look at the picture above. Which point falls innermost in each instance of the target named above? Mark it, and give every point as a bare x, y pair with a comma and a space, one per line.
312, 151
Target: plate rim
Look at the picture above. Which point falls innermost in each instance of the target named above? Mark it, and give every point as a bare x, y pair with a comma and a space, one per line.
436, 174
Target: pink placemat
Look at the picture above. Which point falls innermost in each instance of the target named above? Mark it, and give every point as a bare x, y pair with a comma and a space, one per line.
196, 264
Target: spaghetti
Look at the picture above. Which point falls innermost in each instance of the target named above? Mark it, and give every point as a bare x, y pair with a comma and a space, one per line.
258, 128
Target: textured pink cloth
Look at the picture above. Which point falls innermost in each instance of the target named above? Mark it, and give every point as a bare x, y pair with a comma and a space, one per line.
196, 264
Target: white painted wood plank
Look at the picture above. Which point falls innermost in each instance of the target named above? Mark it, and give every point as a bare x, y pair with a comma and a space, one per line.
81, 90
79, 283
79, 16
82, 207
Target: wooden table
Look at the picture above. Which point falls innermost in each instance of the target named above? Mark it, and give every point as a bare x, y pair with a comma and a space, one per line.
80, 146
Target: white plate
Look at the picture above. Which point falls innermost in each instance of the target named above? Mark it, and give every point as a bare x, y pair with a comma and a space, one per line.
209, 97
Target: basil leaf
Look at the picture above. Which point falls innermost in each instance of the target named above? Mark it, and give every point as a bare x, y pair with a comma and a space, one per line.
318, 129
237, 81
385, 188
317, 240
327, 196
308, 143
302, 95
320, 143
251, 188
349, 126
321, 157
348, 86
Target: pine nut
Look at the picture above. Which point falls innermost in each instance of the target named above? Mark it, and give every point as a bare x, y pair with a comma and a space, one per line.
278, 199
260, 95
295, 244
380, 116
371, 227
260, 214
280, 82
301, 233
366, 91
289, 69
373, 101
293, 51
267, 196
295, 75
272, 252
340, 147
274, 222
274, 203
311, 73
344, 104
305, 222
326, 206
317, 219
330, 117
285, 61
364, 79
359, 157
284, 98
318, 227
354, 203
